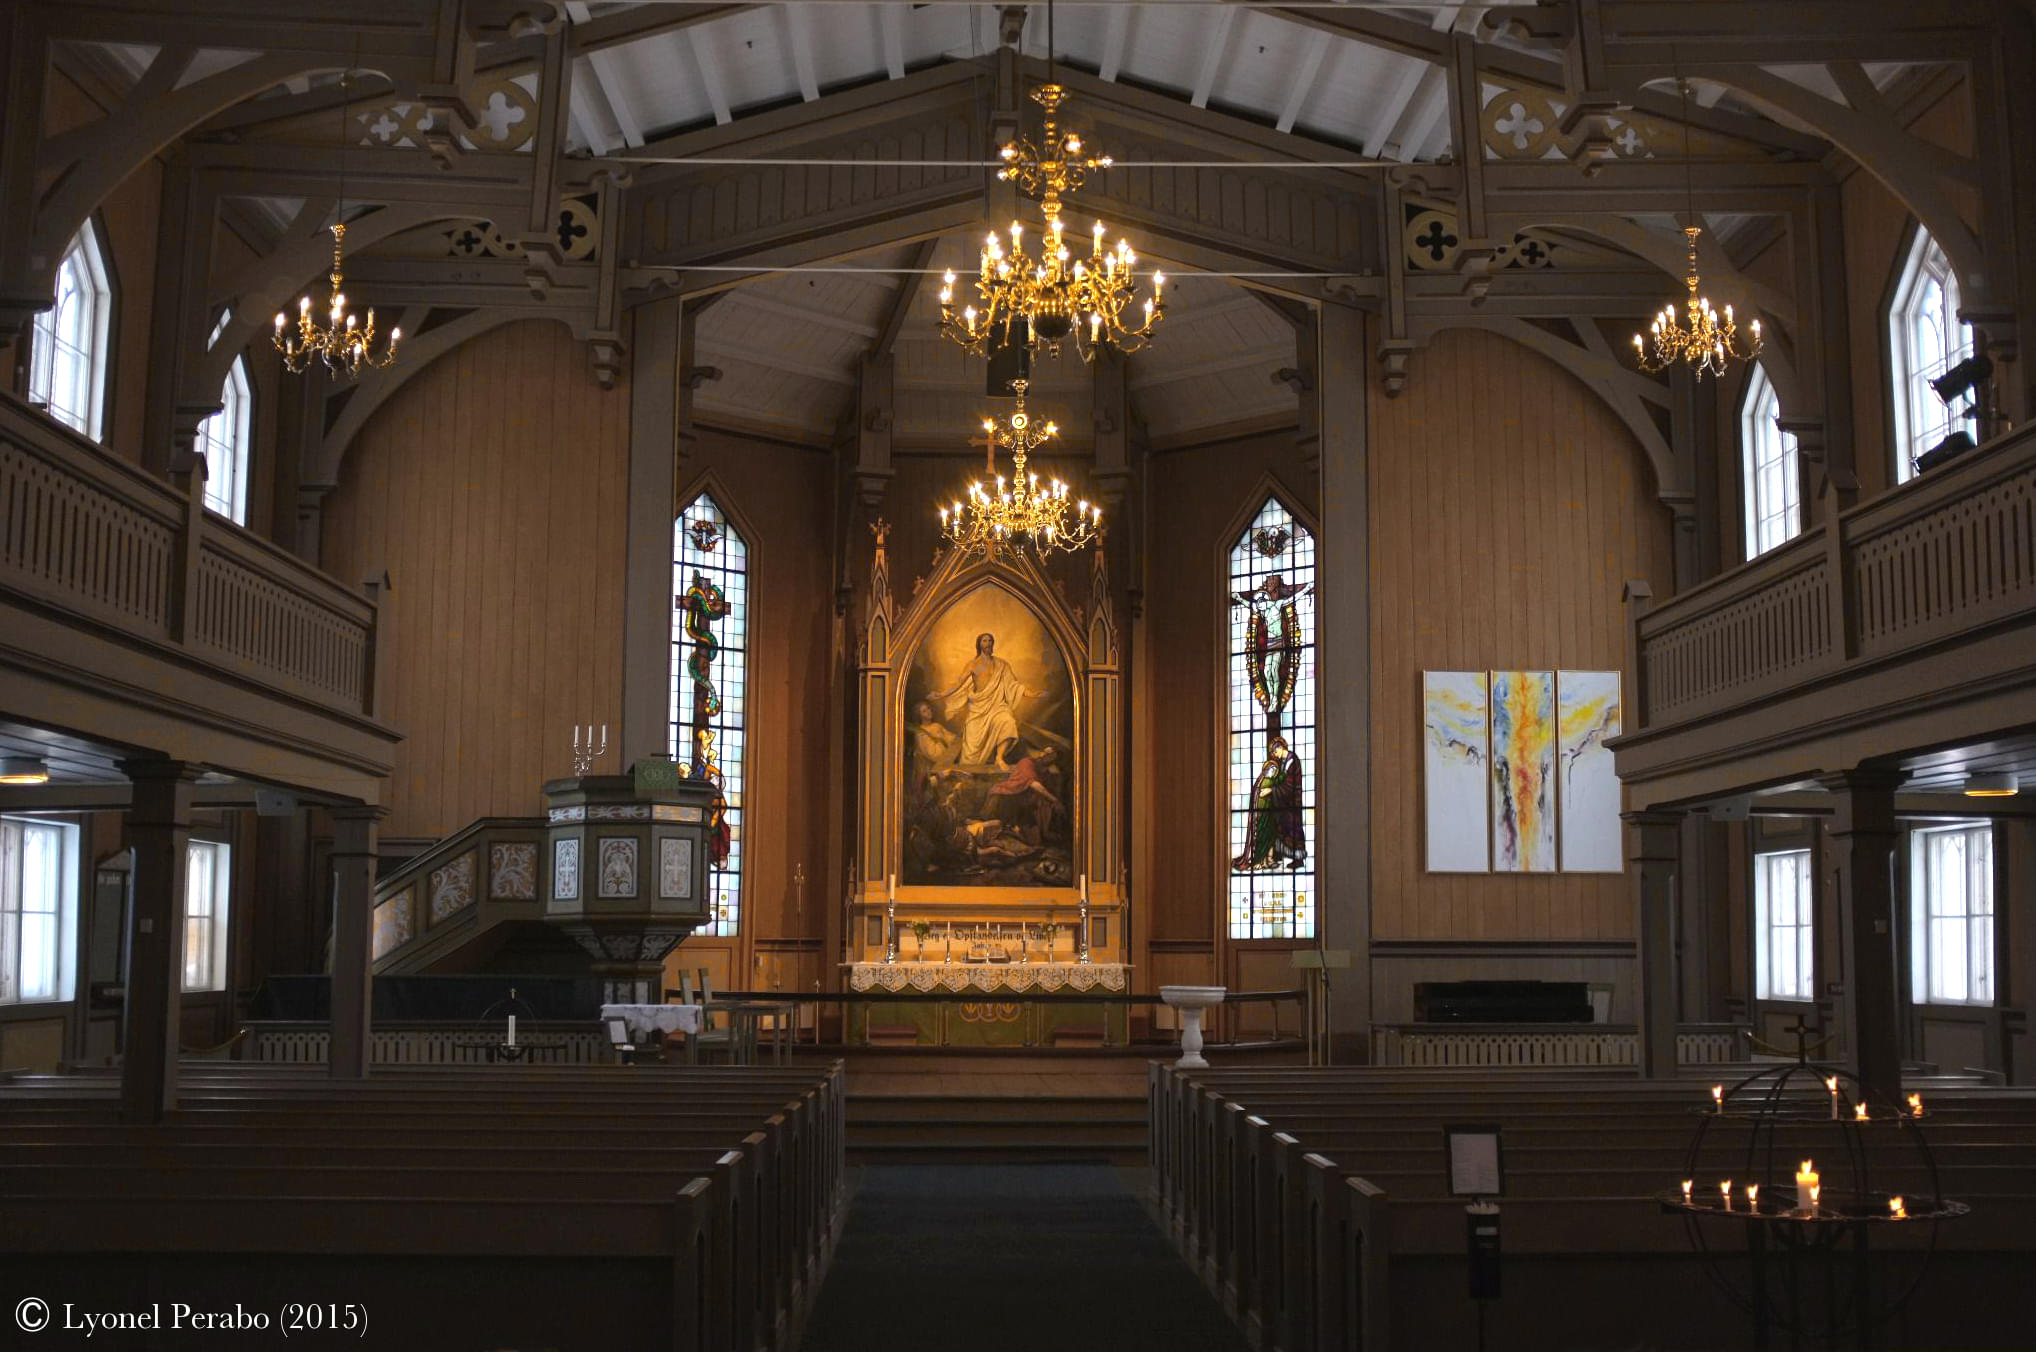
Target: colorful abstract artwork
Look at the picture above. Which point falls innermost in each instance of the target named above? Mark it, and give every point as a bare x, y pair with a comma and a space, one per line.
1523, 772
1588, 714
1456, 749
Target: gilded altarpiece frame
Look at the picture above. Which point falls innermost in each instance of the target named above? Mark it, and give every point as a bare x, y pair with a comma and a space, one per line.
1087, 775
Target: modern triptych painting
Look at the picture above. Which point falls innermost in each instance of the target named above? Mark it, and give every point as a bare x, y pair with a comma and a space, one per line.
1516, 774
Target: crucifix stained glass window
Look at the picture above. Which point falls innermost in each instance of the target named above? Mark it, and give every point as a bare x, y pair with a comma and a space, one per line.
710, 691
1272, 770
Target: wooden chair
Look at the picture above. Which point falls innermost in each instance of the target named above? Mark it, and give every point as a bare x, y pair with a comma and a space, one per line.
709, 1038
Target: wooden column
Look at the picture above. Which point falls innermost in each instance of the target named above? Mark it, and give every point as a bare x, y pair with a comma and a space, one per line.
353, 925
1653, 848
1343, 610
159, 832
1861, 868
653, 486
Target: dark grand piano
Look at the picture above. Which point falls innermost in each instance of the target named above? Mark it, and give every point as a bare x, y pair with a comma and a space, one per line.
1502, 1002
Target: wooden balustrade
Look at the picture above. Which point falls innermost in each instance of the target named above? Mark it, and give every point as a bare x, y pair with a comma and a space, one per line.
1559, 1045
1950, 553
89, 535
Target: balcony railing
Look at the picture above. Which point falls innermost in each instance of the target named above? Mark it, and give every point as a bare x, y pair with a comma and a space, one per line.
88, 534
1949, 556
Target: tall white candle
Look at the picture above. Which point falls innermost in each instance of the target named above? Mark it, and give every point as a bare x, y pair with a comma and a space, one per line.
512, 1030
1085, 887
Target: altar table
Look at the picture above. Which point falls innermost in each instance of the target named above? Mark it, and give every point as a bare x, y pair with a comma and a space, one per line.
988, 1022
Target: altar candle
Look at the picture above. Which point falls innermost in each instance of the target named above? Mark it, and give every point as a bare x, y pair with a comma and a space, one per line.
1688, 1183
1085, 887
1915, 1105
893, 893
1717, 1098
1896, 1209
1832, 1085
1725, 1193
512, 1030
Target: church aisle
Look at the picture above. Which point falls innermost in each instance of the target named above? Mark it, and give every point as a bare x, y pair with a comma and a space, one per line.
995, 1257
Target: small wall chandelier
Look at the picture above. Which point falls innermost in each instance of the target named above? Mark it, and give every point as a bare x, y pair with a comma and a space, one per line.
1000, 513
1707, 341
1044, 301
343, 342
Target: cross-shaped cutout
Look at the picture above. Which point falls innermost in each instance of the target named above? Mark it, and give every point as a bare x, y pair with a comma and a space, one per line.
1628, 140
1531, 253
568, 230
500, 115
1436, 240
467, 241
384, 128
1520, 126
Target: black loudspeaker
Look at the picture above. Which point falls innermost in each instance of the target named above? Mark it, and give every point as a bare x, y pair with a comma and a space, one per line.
1010, 359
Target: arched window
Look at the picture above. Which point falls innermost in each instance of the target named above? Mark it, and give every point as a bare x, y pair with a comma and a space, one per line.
223, 441
710, 694
1770, 481
1925, 340
1271, 799
67, 353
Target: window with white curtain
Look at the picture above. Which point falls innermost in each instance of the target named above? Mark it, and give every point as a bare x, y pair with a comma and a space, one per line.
1925, 340
1771, 483
1784, 926
207, 885
38, 910
67, 350
1952, 910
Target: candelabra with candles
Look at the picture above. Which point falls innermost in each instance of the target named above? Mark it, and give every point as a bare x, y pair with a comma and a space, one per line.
1753, 1163
891, 920
585, 750
1082, 932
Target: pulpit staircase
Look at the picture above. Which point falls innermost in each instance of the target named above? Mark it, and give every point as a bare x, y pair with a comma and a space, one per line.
470, 902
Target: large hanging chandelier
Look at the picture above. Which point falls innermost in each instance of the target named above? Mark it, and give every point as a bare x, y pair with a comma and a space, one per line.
1002, 513
1043, 300
1703, 338
344, 343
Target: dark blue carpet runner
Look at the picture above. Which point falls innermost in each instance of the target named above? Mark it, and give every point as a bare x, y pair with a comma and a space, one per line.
1031, 1258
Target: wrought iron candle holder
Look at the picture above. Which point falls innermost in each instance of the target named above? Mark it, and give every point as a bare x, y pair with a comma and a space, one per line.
1807, 1231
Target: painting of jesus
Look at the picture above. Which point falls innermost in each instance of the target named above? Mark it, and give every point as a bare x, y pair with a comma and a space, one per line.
989, 750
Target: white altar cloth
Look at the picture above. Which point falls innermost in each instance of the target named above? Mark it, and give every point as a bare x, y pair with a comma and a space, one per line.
987, 976
642, 1020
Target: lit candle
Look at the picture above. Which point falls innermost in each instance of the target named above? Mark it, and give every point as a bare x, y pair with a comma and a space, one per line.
1687, 1185
1859, 1111
1753, 1196
1896, 1209
1806, 1186
1725, 1193
1831, 1084
1915, 1105
1717, 1098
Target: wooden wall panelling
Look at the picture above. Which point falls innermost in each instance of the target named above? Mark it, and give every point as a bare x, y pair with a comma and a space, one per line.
1397, 968
1508, 504
489, 487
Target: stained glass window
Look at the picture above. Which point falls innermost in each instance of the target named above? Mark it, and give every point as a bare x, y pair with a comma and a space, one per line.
67, 354
710, 691
1925, 340
1272, 765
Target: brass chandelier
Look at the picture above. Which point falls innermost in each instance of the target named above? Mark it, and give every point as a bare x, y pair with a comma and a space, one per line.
1026, 300
1703, 338
1002, 513
343, 342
